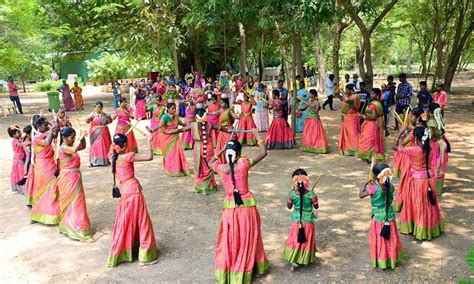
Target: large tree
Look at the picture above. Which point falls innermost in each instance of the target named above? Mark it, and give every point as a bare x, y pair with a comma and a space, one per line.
356, 10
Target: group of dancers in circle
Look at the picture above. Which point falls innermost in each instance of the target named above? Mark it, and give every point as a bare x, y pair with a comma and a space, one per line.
46, 168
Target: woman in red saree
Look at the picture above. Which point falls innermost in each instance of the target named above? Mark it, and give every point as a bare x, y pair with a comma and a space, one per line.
213, 117
239, 250
72, 200
124, 116
350, 127
314, 136
279, 135
424, 220
99, 134
371, 139
246, 121
174, 159
18, 162
45, 200
384, 239
225, 126
133, 231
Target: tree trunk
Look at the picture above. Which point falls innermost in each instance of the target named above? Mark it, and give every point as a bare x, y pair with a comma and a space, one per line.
261, 63
410, 54
369, 73
225, 47
176, 61
243, 51
439, 63
321, 59
335, 51
293, 93
460, 43
198, 61
297, 54
360, 60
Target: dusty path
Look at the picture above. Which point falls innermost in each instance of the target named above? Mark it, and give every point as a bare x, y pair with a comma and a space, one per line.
186, 223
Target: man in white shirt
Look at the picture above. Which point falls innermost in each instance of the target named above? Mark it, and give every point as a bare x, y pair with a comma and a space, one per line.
356, 82
329, 91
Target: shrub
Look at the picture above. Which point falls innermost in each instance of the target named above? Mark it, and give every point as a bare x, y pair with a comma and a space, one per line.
47, 85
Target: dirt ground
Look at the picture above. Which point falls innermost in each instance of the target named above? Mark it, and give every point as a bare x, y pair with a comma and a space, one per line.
186, 223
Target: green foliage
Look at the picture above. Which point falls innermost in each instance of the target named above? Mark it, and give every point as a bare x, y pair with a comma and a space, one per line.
23, 48
110, 66
47, 85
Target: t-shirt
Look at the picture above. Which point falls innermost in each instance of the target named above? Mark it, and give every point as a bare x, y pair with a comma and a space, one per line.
424, 97
329, 87
12, 89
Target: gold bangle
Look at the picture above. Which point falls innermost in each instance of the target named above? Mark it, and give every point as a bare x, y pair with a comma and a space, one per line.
260, 141
216, 157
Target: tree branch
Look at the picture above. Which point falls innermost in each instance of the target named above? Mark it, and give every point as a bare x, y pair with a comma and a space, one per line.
382, 15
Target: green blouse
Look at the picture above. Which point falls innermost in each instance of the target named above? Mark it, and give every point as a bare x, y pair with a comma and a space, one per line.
377, 200
309, 199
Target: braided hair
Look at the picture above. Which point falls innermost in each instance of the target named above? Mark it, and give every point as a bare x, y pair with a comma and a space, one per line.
423, 133
232, 152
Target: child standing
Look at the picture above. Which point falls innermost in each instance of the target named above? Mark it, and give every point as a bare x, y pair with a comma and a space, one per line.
300, 246
18, 162
384, 239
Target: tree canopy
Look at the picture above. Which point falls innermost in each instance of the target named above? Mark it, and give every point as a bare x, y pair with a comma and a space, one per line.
430, 37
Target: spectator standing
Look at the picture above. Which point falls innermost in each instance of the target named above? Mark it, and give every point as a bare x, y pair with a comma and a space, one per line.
356, 82
329, 92
424, 97
13, 93
441, 97
403, 97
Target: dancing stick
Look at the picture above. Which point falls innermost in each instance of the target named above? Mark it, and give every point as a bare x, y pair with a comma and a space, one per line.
316, 182
235, 129
397, 117
371, 174
138, 129
405, 119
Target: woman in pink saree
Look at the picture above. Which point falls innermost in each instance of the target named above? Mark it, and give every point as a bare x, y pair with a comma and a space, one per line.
68, 102
371, 139
45, 200
213, 117
72, 200
174, 160
239, 250
124, 116
99, 134
350, 127
28, 179
133, 231
154, 122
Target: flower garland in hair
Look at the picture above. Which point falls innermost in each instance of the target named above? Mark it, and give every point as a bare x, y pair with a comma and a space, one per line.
426, 135
384, 175
439, 119
300, 178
